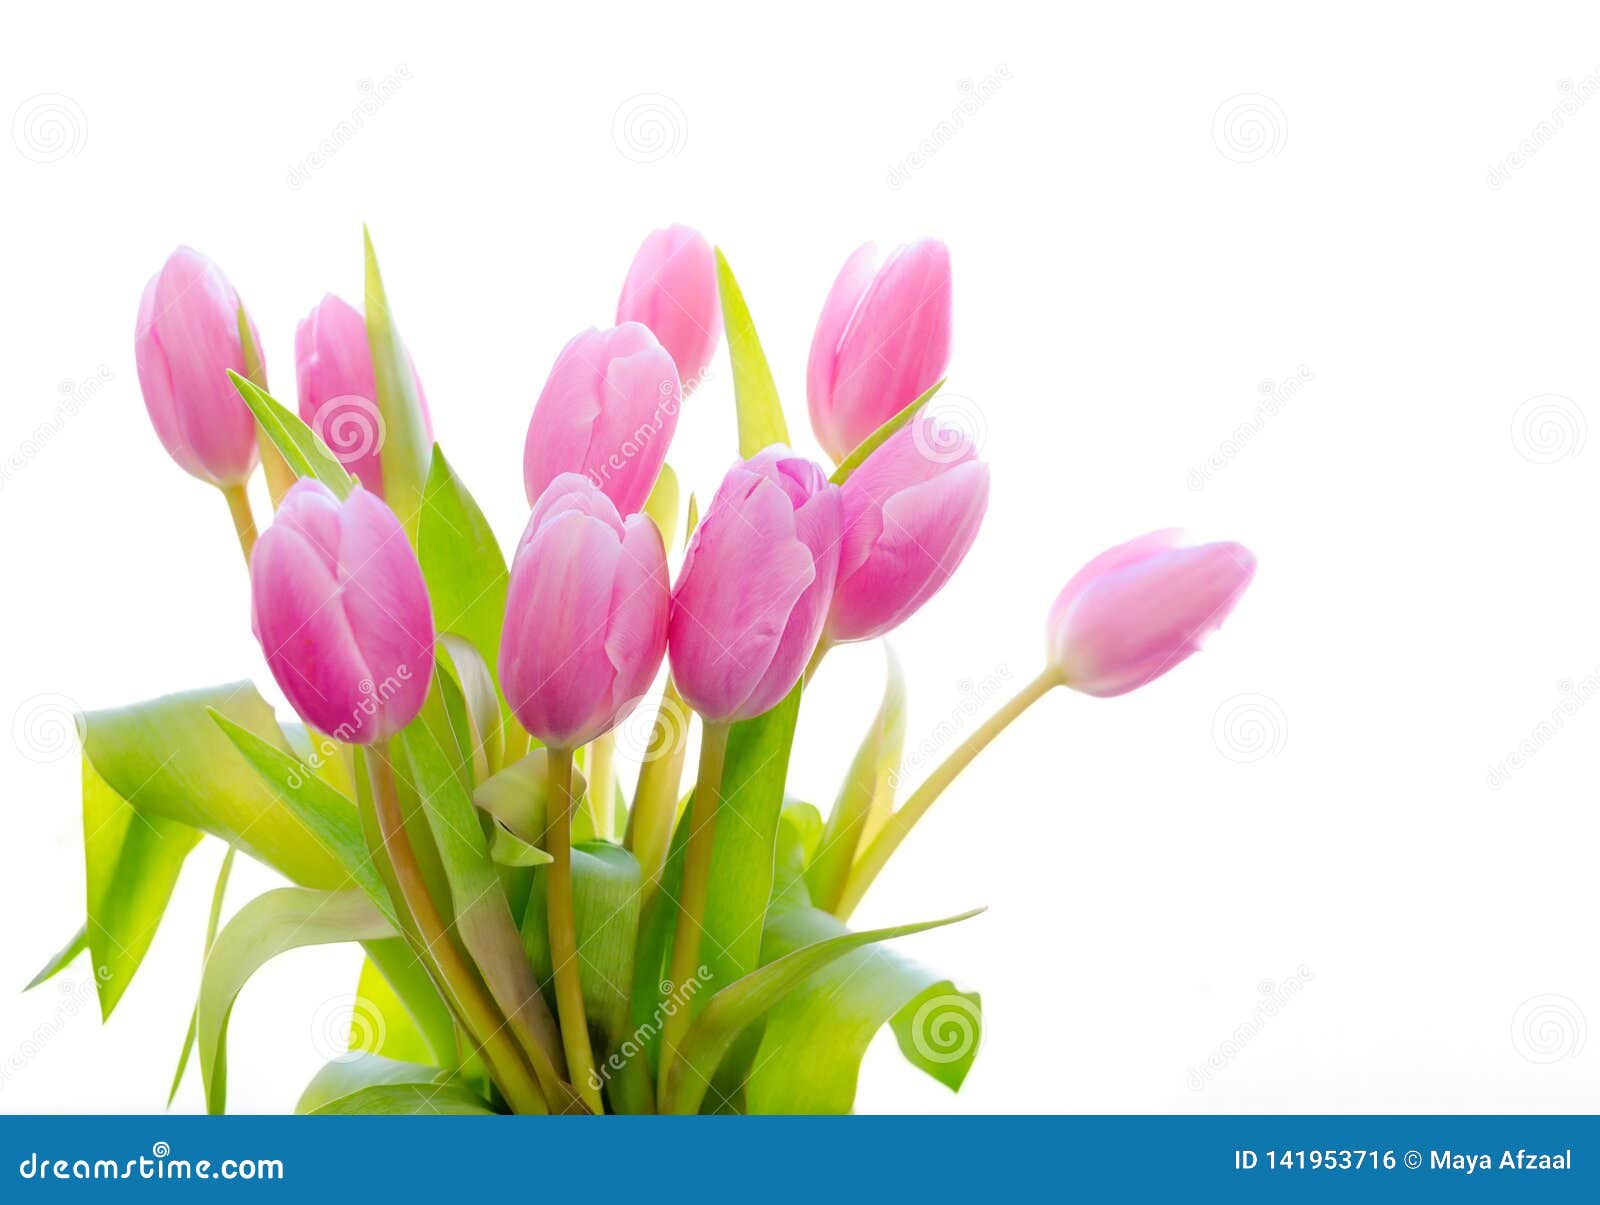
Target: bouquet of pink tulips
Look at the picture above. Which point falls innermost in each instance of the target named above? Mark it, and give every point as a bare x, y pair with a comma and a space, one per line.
540, 936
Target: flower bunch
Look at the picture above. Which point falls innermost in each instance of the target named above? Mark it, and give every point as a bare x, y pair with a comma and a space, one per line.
541, 936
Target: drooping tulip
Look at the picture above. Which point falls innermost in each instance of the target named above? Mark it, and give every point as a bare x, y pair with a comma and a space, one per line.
185, 342
671, 288
586, 614
1137, 610
911, 512
608, 411
338, 399
882, 341
755, 586
340, 609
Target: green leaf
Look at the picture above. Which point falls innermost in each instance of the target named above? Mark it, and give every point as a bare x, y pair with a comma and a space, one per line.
755, 394
281, 920
662, 505
404, 451
408, 1099
739, 1004
62, 958
518, 795
867, 795
871, 443
278, 474
479, 732
461, 562
401, 976
342, 1078
301, 449
213, 920
381, 1024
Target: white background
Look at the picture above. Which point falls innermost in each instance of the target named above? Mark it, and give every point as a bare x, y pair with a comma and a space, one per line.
1311, 797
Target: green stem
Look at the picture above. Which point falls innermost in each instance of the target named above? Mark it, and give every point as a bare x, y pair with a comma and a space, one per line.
477, 1012
244, 521
564, 932
900, 823
702, 820
602, 774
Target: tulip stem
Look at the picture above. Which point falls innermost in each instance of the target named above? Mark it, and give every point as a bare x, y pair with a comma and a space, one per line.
460, 983
602, 774
702, 820
655, 797
564, 931
901, 821
244, 521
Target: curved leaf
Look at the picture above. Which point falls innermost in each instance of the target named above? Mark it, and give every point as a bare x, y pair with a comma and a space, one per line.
405, 448
213, 919
62, 958
755, 394
303, 452
871, 443
343, 1078
409, 1099
662, 506
461, 562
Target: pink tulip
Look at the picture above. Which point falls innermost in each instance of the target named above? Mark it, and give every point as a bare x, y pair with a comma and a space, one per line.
882, 341
607, 411
911, 512
672, 289
755, 586
342, 614
185, 341
338, 400
586, 615
1134, 612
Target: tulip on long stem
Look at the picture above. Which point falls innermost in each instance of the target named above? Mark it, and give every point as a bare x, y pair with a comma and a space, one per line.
702, 820
564, 930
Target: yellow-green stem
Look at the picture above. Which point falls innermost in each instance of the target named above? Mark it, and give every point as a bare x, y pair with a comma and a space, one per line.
564, 932
900, 823
244, 521
702, 821
602, 774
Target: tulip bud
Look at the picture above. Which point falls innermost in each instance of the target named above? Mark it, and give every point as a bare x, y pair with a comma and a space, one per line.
1137, 610
672, 288
586, 615
185, 341
342, 614
608, 411
882, 341
338, 399
755, 586
911, 511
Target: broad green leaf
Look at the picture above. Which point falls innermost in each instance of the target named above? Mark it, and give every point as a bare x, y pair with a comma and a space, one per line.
871, 443
62, 958
404, 452
380, 1024
461, 562
662, 505
755, 394
508, 849
739, 1004
342, 1078
804, 823
328, 816
605, 901
328, 759
408, 1099
281, 920
171, 761
302, 450
131, 863
867, 795
212, 921
518, 795
401, 976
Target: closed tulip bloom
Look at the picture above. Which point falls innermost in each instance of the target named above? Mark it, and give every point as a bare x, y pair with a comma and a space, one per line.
586, 614
1136, 611
911, 512
338, 399
672, 289
608, 411
755, 586
882, 341
185, 341
342, 614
